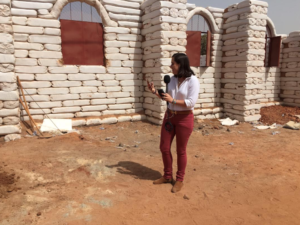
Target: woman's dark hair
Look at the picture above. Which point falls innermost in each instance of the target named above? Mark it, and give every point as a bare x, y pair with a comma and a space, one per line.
184, 65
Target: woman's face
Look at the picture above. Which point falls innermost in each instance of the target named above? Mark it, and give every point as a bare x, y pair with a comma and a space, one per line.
175, 67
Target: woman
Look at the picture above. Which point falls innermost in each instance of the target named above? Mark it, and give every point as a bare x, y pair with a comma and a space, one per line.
183, 91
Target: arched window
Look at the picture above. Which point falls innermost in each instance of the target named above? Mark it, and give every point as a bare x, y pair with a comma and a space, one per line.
198, 41
272, 49
82, 35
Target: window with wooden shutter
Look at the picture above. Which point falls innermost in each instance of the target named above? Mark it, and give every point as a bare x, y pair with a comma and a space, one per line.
198, 42
272, 48
82, 35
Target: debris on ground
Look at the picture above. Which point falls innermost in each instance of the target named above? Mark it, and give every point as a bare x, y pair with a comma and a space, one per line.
12, 137
186, 197
102, 128
275, 132
292, 125
228, 122
273, 126
273, 114
231, 143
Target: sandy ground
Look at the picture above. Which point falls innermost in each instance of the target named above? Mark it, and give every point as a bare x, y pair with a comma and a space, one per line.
234, 177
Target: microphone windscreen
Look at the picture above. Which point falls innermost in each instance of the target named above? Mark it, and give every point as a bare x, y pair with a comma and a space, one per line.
167, 79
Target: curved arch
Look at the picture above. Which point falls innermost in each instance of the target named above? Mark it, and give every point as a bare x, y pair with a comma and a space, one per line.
207, 15
60, 4
271, 27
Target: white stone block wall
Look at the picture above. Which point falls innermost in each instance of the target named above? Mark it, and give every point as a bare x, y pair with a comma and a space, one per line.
67, 90
9, 104
243, 71
290, 70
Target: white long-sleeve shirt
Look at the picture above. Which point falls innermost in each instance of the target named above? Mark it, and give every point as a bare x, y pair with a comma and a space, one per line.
188, 91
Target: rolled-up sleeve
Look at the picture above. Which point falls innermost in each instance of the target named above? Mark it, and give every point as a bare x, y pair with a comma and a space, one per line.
193, 93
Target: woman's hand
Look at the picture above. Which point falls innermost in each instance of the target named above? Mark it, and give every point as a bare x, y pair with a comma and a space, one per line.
151, 86
167, 97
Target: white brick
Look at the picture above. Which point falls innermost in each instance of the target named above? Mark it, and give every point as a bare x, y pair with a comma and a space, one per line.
64, 69
31, 5
109, 89
112, 50
113, 63
28, 46
44, 105
52, 31
66, 83
37, 98
92, 95
44, 39
23, 12
30, 69
88, 114
52, 47
112, 44
81, 77
66, 109
103, 101
76, 90
92, 69
9, 95
51, 77
129, 37
6, 38
36, 84
127, 100
7, 77
43, 22
28, 30
126, 76
113, 112
120, 30
7, 58
118, 94
94, 108
20, 37
120, 106
25, 62
118, 70
76, 103
64, 97
117, 56
105, 77
53, 91
45, 54
131, 82
24, 76
94, 83
50, 62
108, 83
131, 50
21, 53
19, 20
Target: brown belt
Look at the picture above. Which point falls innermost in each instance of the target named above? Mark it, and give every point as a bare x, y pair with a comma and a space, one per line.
180, 112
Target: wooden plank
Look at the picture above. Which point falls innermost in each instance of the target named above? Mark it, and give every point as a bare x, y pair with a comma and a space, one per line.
193, 48
208, 49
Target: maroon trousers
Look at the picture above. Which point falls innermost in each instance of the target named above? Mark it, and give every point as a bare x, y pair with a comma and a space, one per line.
182, 127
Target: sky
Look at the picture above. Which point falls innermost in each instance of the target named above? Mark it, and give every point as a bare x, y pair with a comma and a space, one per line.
285, 14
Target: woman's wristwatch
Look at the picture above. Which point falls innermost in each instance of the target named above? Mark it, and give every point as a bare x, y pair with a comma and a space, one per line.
174, 101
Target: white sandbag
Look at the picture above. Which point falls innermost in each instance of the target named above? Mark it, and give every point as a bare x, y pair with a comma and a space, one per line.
52, 31
30, 69
28, 46
78, 122
7, 58
129, 24
52, 91
64, 69
66, 109
23, 12
44, 105
28, 30
10, 129
158, 12
94, 83
45, 54
9, 112
58, 84
159, 27
132, 64
123, 10
232, 18
26, 62
248, 33
251, 9
118, 70
21, 53
94, 108
60, 116
44, 39
112, 50
231, 30
130, 50
120, 17
11, 120
122, 3
77, 90
89, 114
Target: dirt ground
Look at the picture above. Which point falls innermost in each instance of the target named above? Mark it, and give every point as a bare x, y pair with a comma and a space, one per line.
235, 176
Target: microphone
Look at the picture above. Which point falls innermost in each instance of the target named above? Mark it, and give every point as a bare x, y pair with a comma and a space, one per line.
167, 80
